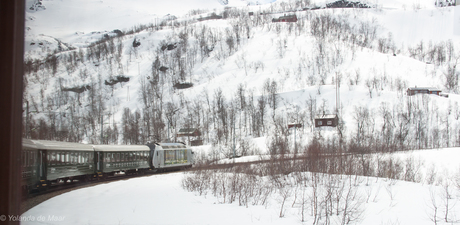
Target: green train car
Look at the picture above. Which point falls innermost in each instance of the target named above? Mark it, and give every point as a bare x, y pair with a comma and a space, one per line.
121, 158
46, 162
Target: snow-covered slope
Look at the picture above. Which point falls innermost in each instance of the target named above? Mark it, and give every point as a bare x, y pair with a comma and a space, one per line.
376, 54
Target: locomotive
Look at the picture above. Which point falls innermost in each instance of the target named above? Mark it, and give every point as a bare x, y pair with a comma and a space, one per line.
46, 162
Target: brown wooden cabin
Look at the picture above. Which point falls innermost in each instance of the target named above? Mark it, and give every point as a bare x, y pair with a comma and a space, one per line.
326, 120
213, 16
423, 90
288, 18
188, 132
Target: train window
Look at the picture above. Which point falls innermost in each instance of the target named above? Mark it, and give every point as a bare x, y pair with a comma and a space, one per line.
67, 158
170, 157
52, 158
31, 159
179, 155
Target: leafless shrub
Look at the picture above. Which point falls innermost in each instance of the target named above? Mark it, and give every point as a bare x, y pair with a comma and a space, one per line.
446, 196
412, 170
457, 179
352, 205
284, 192
433, 206
431, 175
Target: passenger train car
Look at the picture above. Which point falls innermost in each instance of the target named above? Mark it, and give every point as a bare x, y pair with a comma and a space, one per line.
47, 162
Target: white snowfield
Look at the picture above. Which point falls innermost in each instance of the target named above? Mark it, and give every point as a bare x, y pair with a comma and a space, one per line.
160, 199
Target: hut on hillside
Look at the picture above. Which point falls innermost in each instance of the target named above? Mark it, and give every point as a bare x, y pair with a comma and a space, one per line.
423, 90
288, 18
331, 120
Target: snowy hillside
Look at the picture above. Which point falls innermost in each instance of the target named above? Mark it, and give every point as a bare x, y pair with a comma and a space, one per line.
143, 71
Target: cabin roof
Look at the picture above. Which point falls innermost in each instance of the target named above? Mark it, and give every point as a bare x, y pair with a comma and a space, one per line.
287, 17
423, 89
326, 116
187, 130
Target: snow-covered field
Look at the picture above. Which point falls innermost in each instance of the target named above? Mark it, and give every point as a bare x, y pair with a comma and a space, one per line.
160, 199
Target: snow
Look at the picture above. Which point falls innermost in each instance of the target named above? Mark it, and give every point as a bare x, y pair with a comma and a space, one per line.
160, 199
281, 57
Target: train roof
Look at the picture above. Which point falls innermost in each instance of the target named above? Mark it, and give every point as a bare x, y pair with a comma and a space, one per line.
57, 145
26, 143
121, 148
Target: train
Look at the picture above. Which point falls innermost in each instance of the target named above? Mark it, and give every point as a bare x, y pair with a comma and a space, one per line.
46, 162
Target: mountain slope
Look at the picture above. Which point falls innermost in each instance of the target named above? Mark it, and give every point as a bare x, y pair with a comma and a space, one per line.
250, 76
